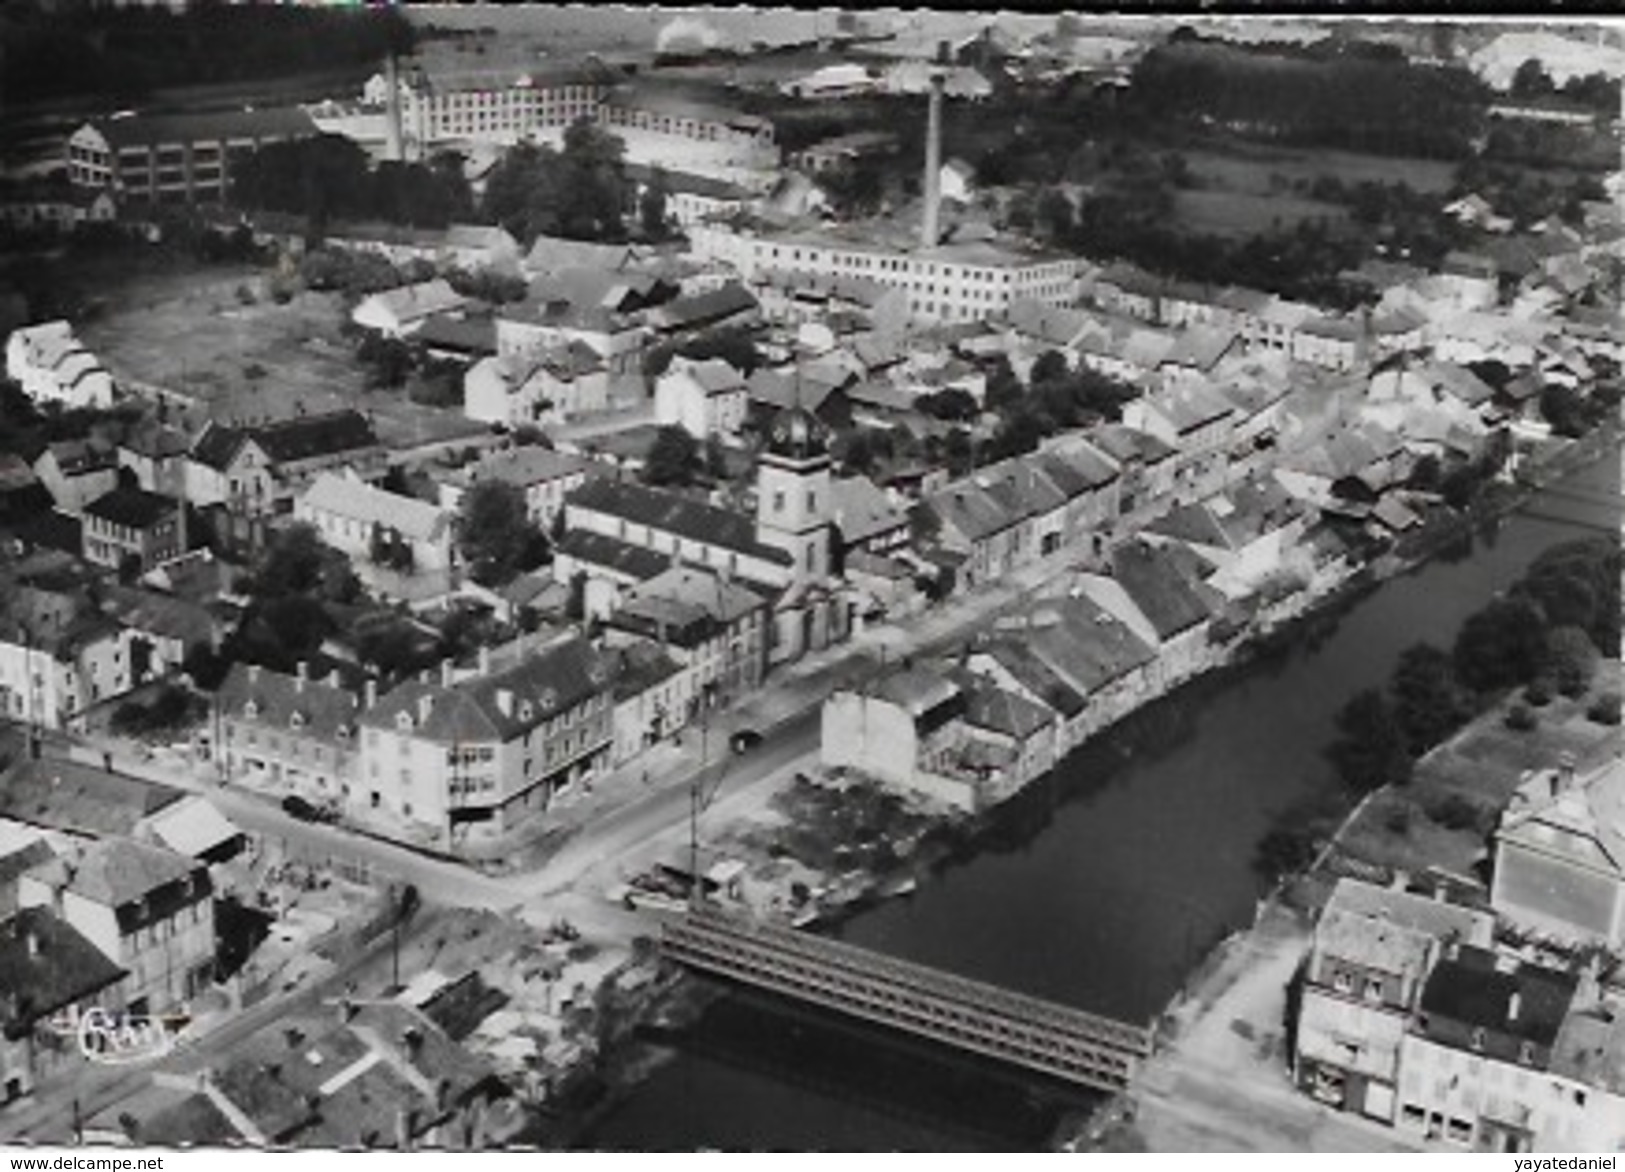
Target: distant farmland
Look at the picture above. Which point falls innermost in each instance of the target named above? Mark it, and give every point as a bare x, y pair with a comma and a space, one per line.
1240, 214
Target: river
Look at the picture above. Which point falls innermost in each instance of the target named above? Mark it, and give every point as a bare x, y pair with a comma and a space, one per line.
1099, 888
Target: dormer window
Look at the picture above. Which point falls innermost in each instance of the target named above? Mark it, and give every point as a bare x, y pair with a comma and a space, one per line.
403, 721
251, 710
344, 732
1478, 1037
548, 699
297, 720
1526, 1053
526, 712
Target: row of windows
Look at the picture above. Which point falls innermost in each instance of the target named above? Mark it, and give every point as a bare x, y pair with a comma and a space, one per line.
165, 929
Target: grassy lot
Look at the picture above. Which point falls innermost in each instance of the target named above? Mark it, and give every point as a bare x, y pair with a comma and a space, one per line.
1241, 214
1249, 167
186, 329
1444, 817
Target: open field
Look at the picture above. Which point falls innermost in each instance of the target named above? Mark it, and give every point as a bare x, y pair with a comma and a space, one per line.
1248, 167
1241, 213
186, 330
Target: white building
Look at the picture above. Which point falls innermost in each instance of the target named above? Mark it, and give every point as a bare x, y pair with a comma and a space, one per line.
544, 476
703, 398
396, 313
50, 365
352, 515
969, 281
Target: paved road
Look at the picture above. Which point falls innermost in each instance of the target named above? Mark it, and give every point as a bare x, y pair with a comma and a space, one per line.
48, 1118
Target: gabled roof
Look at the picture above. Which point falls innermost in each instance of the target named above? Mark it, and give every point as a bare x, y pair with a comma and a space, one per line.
160, 614
133, 508
1079, 642
1001, 711
1527, 1004
500, 706
1581, 819
310, 436
531, 465
315, 708
709, 308
46, 965
715, 376
410, 303
1152, 579
117, 872
551, 253
355, 500
1438, 919
1123, 443
861, 510
673, 513
462, 334
595, 549
67, 796
685, 605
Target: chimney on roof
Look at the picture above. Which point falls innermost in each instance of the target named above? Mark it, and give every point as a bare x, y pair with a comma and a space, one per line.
33, 944
370, 693
485, 660
425, 708
253, 673
505, 701
1514, 1006
446, 679
301, 671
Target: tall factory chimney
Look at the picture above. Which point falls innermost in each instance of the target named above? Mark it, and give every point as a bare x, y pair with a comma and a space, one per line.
395, 150
931, 220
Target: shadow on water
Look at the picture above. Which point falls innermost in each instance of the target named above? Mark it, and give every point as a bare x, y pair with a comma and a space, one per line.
962, 1099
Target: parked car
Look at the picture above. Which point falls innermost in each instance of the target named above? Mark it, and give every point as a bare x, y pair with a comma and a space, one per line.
745, 740
306, 811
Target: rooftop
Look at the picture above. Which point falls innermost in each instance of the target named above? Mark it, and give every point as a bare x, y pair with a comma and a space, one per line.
45, 966
216, 126
65, 795
116, 872
354, 499
671, 512
596, 549
1527, 1003
133, 508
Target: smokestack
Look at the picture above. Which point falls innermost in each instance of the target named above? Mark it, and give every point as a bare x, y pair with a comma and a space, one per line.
931, 221
394, 148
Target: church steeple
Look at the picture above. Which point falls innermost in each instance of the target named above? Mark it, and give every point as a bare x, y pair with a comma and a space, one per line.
793, 495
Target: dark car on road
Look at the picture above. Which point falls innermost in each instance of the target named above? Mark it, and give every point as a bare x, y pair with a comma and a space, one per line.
306, 811
745, 740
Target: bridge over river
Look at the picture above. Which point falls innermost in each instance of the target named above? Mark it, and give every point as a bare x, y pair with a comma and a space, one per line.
1068, 1044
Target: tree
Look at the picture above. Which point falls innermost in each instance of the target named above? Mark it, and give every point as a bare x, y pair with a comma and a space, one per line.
1571, 660
1532, 81
1004, 389
1427, 701
388, 360
292, 564
1050, 366
1502, 645
579, 193
950, 403
1370, 751
673, 457
1565, 409
495, 534
652, 214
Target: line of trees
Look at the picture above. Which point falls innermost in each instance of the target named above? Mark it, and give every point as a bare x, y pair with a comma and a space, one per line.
1545, 634
329, 177
128, 51
580, 192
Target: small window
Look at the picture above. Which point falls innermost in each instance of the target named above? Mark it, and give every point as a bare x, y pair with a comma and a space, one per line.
1478, 1037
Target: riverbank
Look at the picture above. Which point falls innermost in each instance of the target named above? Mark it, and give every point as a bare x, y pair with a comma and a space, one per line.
1189, 783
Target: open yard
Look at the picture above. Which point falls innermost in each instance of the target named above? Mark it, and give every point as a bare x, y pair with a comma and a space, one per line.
1242, 213
1248, 167
212, 335
1445, 816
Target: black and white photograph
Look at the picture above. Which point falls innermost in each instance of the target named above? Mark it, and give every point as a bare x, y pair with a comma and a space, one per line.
629, 579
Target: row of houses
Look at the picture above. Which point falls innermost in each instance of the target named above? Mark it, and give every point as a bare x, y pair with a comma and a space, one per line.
1414, 1015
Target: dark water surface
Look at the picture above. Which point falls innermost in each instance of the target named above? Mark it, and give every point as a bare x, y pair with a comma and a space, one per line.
1099, 888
